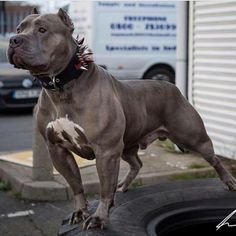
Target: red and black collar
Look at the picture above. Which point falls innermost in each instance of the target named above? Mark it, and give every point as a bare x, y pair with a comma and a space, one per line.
71, 72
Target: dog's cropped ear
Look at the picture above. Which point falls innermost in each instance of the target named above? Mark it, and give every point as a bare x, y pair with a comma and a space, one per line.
66, 19
34, 11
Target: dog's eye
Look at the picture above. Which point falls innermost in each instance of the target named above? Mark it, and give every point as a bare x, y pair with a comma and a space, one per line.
18, 30
42, 30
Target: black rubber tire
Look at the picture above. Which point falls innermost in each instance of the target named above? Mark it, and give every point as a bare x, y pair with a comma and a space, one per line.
134, 209
160, 73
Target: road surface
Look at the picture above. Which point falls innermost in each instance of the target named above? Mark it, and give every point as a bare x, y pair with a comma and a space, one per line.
18, 217
15, 130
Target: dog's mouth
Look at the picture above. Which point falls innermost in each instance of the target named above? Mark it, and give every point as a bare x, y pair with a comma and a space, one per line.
17, 61
25, 62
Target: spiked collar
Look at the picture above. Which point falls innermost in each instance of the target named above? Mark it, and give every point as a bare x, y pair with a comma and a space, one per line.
73, 71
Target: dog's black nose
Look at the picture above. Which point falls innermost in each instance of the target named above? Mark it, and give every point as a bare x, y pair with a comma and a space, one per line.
16, 41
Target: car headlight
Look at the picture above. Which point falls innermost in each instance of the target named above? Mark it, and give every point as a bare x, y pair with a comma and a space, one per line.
1, 84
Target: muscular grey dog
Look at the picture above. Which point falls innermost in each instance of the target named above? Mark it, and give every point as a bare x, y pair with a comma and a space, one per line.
94, 115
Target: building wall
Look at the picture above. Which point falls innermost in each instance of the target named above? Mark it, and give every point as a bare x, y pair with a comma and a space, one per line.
212, 70
15, 12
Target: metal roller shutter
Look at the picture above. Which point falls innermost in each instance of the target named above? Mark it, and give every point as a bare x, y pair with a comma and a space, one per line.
212, 70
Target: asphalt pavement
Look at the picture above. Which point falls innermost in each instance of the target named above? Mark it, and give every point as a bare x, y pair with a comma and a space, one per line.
24, 218
15, 130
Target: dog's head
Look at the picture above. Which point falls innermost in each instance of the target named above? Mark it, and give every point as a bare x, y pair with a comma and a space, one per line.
42, 44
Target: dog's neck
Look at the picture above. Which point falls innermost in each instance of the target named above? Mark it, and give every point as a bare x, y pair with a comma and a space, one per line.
71, 71
66, 57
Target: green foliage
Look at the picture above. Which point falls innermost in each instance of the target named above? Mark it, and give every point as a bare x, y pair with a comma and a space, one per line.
195, 175
136, 184
17, 195
197, 166
4, 186
167, 145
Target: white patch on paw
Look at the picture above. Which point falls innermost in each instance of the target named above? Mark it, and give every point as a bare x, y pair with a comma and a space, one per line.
64, 124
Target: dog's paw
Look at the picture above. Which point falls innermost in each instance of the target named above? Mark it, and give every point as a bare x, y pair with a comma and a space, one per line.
231, 183
78, 216
122, 187
94, 221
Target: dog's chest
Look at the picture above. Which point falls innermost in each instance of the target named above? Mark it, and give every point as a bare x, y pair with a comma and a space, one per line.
70, 135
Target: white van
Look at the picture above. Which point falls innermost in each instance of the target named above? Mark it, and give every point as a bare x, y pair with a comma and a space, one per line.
132, 40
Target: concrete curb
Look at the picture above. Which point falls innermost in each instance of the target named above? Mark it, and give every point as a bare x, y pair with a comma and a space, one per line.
20, 179
21, 183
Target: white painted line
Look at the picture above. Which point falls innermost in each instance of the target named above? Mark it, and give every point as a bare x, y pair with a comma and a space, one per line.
141, 153
18, 214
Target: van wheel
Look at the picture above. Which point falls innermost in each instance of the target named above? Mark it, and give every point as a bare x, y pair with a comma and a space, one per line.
160, 73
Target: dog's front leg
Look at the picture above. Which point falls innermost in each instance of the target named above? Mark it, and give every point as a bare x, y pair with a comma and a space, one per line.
65, 164
108, 171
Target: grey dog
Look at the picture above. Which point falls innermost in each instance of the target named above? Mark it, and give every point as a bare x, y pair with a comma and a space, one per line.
92, 114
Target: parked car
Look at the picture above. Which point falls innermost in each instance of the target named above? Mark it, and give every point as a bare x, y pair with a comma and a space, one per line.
17, 88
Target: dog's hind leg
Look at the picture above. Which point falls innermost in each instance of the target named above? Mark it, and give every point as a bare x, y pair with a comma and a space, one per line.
187, 130
205, 148
65, 164
201, 143
207, 151
197, 140
132, 158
